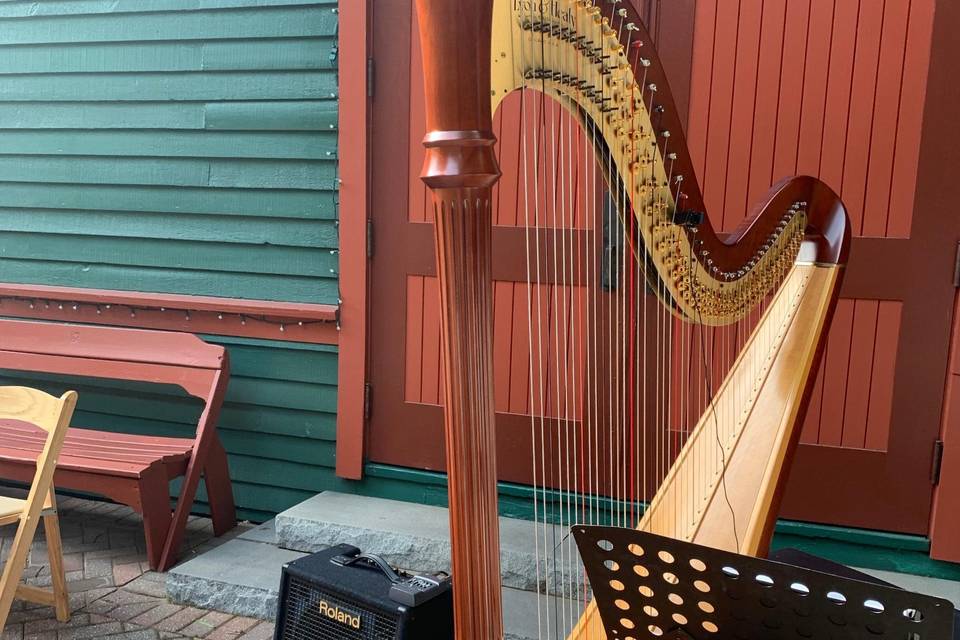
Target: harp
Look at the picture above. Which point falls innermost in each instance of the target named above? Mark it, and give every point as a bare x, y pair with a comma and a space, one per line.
676, 395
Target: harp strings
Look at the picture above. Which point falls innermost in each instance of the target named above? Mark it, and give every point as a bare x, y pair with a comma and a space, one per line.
615, 382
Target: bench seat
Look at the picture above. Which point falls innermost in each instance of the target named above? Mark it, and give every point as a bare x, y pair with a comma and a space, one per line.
119, 454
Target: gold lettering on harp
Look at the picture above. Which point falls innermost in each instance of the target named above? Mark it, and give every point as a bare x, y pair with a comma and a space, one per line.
546, 9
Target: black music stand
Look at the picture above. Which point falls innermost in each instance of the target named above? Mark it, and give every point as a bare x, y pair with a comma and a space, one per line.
649, 586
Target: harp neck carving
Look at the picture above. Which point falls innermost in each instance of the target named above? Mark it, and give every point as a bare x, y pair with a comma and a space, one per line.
603, 69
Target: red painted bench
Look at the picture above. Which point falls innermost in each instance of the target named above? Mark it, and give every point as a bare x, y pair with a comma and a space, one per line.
130, 469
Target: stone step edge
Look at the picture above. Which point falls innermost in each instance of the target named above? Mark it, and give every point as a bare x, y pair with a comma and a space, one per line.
186, 585
321, 522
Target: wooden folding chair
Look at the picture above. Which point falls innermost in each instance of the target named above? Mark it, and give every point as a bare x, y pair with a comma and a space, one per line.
53, 416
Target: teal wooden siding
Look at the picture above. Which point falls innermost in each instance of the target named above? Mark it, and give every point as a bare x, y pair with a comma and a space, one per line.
183, 146
176, 146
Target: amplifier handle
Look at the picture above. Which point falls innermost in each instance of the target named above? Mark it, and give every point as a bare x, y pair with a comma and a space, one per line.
371, 559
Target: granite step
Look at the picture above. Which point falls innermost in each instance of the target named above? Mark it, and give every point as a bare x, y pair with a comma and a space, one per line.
242, 577
416, 537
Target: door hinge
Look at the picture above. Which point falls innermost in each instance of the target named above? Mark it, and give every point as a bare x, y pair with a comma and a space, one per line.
369, 238
367, 401
956, 268
371, 75
937, 462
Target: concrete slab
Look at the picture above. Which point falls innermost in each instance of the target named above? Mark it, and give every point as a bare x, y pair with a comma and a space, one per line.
240, 577
265, 533
946, 589
416, 537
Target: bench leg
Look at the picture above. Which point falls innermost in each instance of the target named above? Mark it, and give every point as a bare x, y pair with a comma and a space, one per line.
223, 512
61, 599
155, 503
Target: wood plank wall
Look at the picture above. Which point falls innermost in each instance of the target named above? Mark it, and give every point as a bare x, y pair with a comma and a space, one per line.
170, 145
835, 89
189, 147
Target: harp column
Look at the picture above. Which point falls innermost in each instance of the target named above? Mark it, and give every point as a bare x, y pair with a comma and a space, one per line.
460, 169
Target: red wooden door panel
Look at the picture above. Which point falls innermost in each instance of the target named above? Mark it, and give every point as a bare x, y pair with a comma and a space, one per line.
836, 89
832, 88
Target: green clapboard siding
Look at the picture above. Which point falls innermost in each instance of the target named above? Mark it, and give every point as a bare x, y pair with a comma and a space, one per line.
278, 423
183, 146
174, 146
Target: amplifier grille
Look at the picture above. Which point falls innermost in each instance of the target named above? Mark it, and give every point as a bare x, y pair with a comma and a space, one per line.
304, 621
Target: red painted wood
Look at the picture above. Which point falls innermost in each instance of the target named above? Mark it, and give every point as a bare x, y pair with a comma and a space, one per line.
353, 155
886, 115
199, 368
766, 103
840, 91
945, 519
863, 90
173, 319
915, 69
884, 374
837, 358
701, 77
414, 341
519, 355
791, 90
288, 310
110, 343
430, 390
860, 373
936, 190
836, 117
811, 424
502, 342
736, 172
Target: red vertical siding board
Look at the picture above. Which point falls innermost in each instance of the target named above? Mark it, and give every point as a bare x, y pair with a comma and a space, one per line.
790, 100
744, 99
860, 373
885, 115
510, 156
915, 68
945, 538
520, 351
414, 343
430, 389
353, 42
768, 98
420, 210
813, 101
810, 433
700, 81
552, 336
863, 93
721, 108
502, 343
884, 366
836, 126
835, 375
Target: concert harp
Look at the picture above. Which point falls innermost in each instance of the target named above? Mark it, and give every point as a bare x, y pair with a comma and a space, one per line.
681, 358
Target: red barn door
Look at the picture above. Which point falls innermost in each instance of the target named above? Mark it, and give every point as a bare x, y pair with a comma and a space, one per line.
832, 88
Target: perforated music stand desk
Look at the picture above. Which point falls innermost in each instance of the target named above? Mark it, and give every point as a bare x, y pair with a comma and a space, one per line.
649, 586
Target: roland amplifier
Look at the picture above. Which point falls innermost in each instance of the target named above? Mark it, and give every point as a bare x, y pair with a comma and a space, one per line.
343, 594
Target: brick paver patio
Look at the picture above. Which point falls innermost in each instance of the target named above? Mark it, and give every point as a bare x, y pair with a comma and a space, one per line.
113, 593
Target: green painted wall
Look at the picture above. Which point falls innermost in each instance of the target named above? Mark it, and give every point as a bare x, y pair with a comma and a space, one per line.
183, 146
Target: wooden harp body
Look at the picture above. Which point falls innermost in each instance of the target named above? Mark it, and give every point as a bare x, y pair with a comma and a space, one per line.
772, 284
